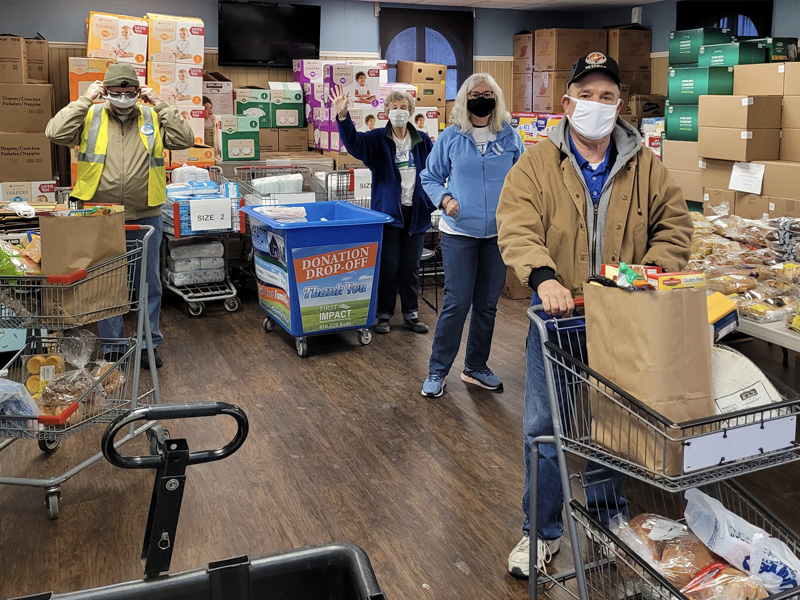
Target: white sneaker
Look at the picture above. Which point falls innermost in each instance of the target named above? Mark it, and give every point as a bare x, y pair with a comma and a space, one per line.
518, 560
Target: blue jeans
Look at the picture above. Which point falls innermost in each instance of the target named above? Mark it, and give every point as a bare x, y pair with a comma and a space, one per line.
474, 274
114, 327
604, 486
399, 270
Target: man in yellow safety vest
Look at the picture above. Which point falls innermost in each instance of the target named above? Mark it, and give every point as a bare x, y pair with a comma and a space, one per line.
121, 161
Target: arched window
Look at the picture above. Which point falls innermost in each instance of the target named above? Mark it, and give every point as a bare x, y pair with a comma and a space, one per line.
741, 24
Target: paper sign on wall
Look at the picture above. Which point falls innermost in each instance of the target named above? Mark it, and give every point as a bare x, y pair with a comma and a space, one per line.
362, 184
210, 214
747, 177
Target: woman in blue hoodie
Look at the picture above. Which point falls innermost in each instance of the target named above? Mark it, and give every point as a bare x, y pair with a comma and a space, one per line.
464, 175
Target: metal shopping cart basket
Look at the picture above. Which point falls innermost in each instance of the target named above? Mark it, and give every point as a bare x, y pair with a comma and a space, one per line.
629, 445
196, 290
42, 304
340, 185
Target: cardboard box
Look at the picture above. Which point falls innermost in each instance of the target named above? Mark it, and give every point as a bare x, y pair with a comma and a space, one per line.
292, 140
342, 160
630, 48
680, 155
83, 72
236, 138
13, 59
388, 88
197, 156
685, 85
118, 37
778, 49
780, 179
718, 199
32, 192
268, 140
677, 281
558, 49
522, 85
715, 174
534, 127
638, 82
310, 71
751, 206
25, 107
448, 108
25, 157
523, 52
420, 72
381, 65
367, 119
758, 80
362, 83
253, 102
38, 52
286, 104
513, 288
684, 46
181, 85
625, 94
218, 89
176, 39
690, 182
784, 207
426, 118
431, 94
790, 113
731, 54
647, 105
790, 145
681, 122
742, 112
196, 117
548, 89
730, 143
791, 83
631, 120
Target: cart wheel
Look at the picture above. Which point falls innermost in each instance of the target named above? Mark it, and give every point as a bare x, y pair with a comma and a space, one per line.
302, 347
157, 436
51, 503
364, 336
232, 304
268, 324
48, 446
195, 308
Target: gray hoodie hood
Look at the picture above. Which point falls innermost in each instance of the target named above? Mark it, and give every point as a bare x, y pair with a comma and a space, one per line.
627, 143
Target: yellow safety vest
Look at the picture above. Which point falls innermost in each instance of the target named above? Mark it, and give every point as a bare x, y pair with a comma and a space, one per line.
92, 154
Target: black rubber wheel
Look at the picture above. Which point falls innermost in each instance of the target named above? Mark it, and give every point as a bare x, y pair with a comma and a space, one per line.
48, 446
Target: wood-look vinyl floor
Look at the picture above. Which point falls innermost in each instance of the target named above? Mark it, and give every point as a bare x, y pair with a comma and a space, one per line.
342, 447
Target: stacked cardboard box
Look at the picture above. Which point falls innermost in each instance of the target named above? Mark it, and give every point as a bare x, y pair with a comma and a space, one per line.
739, 128
430, 80
522, 82
630, 47
217, 98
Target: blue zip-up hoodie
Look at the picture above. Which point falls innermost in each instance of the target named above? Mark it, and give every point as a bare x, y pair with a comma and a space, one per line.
456, 167
377, 150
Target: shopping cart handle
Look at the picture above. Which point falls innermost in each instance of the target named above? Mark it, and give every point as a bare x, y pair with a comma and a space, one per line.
539, 308
174, 411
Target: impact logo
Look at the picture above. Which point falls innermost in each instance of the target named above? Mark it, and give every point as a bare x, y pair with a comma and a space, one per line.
596, 58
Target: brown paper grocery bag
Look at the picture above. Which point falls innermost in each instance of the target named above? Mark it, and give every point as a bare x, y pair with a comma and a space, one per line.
73, 243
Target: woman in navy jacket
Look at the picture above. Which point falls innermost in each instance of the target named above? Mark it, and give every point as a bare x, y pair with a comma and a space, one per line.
396, 155
464, 176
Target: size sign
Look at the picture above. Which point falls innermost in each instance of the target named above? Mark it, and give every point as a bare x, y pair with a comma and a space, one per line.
210, 214
362, 184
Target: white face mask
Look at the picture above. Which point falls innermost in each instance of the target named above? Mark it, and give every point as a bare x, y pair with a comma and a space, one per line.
399, 117
122, 102
593, 120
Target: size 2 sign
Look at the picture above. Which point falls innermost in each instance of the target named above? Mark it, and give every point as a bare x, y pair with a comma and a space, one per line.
362, 184
210, 214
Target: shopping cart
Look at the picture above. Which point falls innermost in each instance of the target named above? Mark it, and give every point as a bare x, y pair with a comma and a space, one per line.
40, 304
340, 185
595, 420
178, 226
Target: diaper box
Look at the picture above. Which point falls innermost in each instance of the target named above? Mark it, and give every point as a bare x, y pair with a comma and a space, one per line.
253, 102
116, 36
388, 88
196, 156
286, 104
176, 39
13, 59
25, 107
322, 127
310, 71
313, 97
196, 117
367, 119
426, 118
83, 72
362, 83
381, 65
236, 138
38, 60
217, 96
181, 85
32, 192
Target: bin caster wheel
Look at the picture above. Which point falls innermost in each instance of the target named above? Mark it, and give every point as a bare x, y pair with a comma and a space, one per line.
157, 436
51, 503
195, 308
268, 324
48, 446
364, 336
232, 304
302, 347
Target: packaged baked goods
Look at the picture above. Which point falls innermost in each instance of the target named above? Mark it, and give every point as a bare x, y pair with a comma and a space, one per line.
719, 581
762, 312
14, 264
731, 284
683, 558
112, 378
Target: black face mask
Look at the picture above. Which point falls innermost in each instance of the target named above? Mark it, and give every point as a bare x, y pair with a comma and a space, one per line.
481, 107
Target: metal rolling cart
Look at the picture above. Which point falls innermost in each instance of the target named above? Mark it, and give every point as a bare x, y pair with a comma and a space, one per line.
659, 460
178, 226
40, 304
340, 185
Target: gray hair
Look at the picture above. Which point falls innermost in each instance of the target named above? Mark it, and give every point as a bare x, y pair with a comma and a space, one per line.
459, 115
398, 96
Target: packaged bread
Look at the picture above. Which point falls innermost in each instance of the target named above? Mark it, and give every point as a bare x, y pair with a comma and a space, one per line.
112, 384
731, 284
762, 312
719, 581
683, 558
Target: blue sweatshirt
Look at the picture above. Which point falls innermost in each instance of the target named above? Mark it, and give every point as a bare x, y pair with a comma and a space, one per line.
377, 150
472, 178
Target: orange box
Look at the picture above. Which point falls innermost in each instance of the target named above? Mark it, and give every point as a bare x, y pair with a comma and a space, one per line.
176, 39
181, 85
677, 281
85, 71
196, 156
116, 36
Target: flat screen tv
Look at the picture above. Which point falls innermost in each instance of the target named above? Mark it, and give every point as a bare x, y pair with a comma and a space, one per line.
253, 34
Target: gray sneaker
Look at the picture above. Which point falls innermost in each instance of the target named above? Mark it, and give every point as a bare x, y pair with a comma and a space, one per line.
382, 326
415, 325
484, 378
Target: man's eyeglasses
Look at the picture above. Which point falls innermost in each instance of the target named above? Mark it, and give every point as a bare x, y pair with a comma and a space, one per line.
125, 96
476, 95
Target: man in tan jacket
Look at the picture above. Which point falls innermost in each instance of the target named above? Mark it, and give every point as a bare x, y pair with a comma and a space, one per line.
591, 194
121, 161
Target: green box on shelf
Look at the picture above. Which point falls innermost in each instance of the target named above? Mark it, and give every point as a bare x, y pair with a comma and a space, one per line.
236, 137
680, 122
778, 49
254, 102
686, 85
684, 46
732, 54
